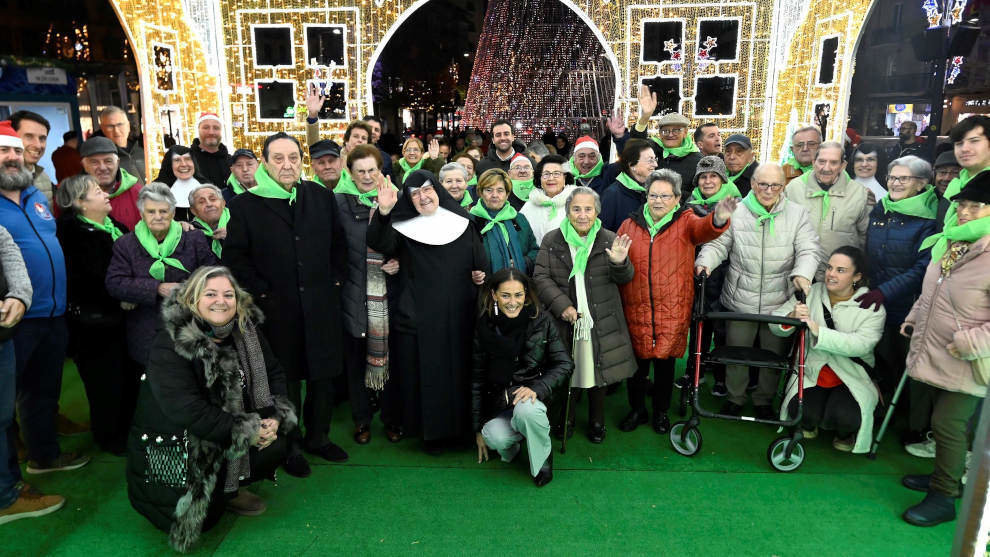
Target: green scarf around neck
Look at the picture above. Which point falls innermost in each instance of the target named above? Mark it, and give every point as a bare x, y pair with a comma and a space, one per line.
208, 232
794, 164
826, 202
969, 232
235, 185
734, 177
628, 181
593, 173
473, 181
762, 215
924, 204
160, 252
506, 213
126, 182
728, 189
954, 187
406, 169
466, 201
685, 148
655, 227
106, 226
522, 189
583, 245
268, 187
350, 188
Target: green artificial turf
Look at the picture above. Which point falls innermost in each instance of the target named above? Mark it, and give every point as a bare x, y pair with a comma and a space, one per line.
632, 495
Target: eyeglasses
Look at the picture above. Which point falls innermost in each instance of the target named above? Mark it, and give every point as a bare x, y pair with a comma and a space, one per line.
521, 169
807, 144
420, 191
649, 159
656, 197
771, 187
555, 174
412, 150
970, 206
670, 132
902, 179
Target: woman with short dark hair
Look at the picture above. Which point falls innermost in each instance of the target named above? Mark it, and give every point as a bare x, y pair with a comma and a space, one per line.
628, 191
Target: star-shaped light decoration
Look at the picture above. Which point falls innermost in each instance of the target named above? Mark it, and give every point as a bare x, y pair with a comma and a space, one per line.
955, 14
956, 68
670, 46
932, 12
711, 42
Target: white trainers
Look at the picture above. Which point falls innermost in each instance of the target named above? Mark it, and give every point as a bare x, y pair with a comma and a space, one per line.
923, 449
809, 433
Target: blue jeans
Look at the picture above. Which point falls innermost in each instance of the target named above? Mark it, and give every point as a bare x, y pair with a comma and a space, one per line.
40, 346
10, 472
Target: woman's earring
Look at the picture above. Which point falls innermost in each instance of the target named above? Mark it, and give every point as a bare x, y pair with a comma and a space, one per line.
496, 308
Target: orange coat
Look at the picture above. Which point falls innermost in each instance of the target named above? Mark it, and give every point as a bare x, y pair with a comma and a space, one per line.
657, 302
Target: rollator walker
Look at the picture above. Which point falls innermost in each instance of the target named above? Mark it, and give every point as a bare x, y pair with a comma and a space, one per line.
786, 453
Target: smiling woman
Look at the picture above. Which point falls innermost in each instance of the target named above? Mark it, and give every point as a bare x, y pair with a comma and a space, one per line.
180, 172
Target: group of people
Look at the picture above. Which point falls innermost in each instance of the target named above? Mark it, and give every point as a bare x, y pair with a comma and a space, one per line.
467, 293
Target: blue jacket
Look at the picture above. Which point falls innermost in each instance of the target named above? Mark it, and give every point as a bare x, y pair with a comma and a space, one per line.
617, 202
33, 228
896, 266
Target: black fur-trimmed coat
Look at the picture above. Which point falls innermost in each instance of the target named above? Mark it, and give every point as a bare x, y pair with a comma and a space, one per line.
184, 415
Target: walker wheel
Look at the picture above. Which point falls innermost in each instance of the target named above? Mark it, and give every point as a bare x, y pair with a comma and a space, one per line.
685, 439
778, 457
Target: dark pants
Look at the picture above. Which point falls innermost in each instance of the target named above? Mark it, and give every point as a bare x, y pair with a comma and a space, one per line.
950, 419
110, 379
663, 381
40, 346
596, 405
832, 409
356, 363
10, 472
316, 413
922, 397
712, 329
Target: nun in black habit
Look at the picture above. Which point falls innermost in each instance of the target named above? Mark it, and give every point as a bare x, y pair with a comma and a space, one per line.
442, 261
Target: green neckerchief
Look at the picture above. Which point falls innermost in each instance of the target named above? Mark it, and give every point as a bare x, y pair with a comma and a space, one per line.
924, 204
107, 226
593, 173
794, 164
685, 148
826, 201
969, 232
267, 187
553, 207
954, 187
504, 214
761, 213
160, 252
522, 189
473, 181
235, 185
407, 169
224, 219
350, 188
466, 201
628, 181
655, 227
728, 189
583, 245
732, 177
126, 182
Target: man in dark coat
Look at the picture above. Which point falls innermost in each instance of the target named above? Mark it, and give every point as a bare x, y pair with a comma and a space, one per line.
740, 162
675, 149
502, 150
210, 154
286, 246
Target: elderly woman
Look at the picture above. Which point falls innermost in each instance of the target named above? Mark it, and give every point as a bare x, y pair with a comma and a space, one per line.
454, 178
413, 159
180, 172
950, 345
150, 262
545, 208
368, 292
578, 273
441, 262
519, 359
508, 238
627, 193
210, 214
521, 173
866, 161
96, 320
212, 411
658, 300
899, 223
839, 393
771, 246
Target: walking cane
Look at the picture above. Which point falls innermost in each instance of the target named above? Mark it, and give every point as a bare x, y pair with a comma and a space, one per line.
872, 455
567, 405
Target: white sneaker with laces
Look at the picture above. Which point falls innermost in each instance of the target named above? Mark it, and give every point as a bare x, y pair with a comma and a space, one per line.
923, 449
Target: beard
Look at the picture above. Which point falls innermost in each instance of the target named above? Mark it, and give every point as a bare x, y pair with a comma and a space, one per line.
18, 181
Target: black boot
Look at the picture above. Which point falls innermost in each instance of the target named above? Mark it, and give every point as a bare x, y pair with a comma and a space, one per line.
545, 475
936, 508
596, 432
634, 419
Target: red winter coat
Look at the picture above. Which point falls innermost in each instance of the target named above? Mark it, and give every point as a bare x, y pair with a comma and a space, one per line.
657, 302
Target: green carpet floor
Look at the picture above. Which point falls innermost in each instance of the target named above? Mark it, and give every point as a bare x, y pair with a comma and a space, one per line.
632, 495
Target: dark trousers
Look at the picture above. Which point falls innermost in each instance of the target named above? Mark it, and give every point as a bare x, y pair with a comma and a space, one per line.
39, 347
832, 409
10, 472
922, 401
712, 330
317, 413
891, 355
356, 363
950, 419
596, 405
663, 384
110, 379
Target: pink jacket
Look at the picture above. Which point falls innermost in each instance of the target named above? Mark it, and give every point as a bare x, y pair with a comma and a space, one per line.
956, 309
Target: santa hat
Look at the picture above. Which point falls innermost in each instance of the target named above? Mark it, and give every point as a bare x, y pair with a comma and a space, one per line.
8, 137
204, 116
520, 156
586, 142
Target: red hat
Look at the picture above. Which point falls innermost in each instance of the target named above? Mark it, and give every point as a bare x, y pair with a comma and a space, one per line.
586, 142
519, 156
204, 116
8, 137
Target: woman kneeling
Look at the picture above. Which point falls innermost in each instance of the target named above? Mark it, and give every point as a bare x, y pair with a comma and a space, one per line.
518, 360
212, 411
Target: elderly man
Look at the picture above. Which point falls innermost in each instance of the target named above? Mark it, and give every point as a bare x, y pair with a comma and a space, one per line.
708, 139
587, 166
243, 164
100, 160
740, 162
324, 157
117, 128
946, 169
285, 244
804, 143
839, 207
33, 130
908, 141
674, 149
210, 214
208, 151
503, 148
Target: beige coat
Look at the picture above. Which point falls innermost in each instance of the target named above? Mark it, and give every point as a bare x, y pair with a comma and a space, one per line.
848, 214
956, 309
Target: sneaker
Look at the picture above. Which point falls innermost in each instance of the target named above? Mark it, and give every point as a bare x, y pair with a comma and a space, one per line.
66, 427
809, 433
246, 504
969, 458
719, 390
64, 461
845, 445
924, 449
27, 506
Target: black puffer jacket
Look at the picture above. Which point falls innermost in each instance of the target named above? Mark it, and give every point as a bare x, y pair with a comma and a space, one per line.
543, 365
215, 167
686, 166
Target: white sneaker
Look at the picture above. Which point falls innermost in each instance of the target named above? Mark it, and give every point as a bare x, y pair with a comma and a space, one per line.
809, 433
922, 449
969, 458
